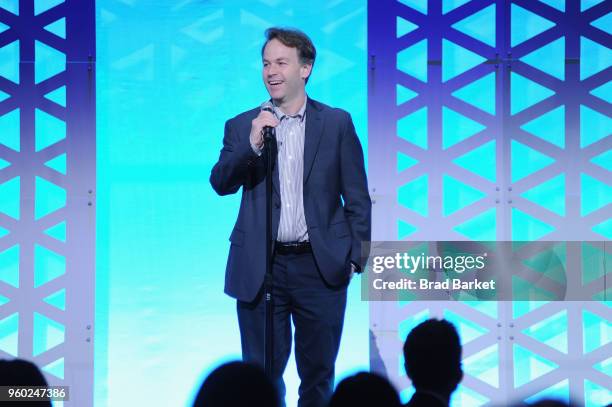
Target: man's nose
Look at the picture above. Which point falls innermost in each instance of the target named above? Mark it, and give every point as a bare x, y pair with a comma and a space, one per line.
271, 70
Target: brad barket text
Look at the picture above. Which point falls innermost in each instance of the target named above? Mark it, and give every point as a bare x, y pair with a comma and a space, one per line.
425, 284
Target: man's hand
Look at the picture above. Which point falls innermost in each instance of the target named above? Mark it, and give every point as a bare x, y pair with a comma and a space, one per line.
263, 119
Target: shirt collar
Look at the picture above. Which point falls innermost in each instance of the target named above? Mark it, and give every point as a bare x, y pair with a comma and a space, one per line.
299, 115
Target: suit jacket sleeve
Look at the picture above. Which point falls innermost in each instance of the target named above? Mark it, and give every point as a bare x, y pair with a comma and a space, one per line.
354, 189
230, 172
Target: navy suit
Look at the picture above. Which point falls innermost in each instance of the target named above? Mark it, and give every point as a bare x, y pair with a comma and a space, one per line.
333, 171
311, 288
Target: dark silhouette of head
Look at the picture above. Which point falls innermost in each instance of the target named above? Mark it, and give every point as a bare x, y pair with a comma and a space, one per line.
19, 372
432, 354
365, 389
237, 384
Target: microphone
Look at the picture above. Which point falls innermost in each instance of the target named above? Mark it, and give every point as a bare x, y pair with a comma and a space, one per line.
268, 131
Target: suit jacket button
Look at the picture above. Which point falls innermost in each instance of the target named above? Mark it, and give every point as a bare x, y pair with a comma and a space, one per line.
277, 204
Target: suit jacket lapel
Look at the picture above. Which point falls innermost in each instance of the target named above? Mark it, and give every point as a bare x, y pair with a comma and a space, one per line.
314, 127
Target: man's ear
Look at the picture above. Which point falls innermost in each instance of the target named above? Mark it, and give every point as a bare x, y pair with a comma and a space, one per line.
305, 71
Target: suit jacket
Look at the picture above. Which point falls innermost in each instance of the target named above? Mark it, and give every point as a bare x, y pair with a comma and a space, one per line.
337, 206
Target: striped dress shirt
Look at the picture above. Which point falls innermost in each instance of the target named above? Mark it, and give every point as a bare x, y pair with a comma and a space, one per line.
290, 134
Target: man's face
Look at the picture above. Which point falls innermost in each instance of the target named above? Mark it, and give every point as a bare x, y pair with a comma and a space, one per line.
283, 73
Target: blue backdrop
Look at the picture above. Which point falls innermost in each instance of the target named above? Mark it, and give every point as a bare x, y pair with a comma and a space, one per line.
169, 74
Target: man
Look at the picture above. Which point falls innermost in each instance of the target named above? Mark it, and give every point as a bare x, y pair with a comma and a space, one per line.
321, 214
365, 389
237, 384
432, 358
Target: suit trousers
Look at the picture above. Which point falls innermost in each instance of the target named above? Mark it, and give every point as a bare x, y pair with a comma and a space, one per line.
317, 310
